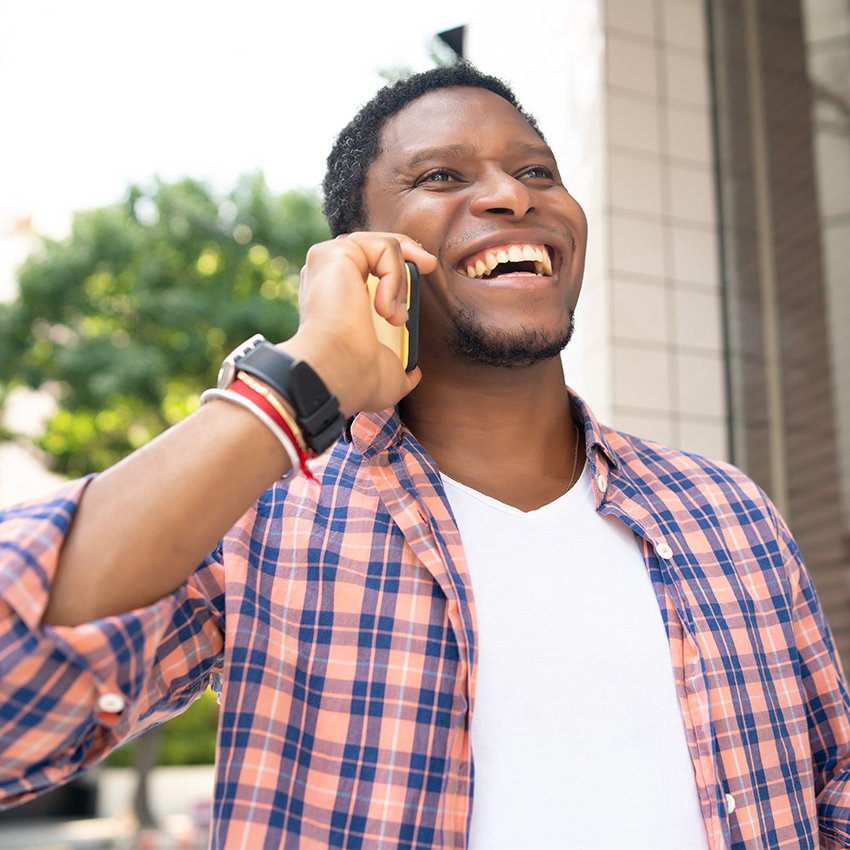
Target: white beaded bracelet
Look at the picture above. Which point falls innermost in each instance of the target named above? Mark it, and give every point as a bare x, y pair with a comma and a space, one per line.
228, 395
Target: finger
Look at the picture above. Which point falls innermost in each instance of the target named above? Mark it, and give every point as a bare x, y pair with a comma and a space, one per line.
385, 254
414, 376
394, 384
379, 249
389, 276
414, 252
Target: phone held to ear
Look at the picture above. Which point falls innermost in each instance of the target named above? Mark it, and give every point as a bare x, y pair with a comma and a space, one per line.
404, 339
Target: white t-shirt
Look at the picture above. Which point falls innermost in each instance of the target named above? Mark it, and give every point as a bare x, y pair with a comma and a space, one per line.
577, 736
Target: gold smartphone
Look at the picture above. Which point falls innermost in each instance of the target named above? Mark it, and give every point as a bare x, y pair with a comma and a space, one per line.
403, 339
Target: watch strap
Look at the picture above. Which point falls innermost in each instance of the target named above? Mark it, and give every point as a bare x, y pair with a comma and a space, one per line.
316, 408
270, 365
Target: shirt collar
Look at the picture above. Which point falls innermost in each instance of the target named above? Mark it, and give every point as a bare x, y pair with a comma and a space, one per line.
594, 436
373, 433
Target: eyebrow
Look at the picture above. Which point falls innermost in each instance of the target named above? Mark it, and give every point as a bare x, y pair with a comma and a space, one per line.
531, 150
449, 151
455, 151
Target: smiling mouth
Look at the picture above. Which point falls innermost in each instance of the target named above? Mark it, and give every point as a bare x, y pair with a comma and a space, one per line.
507, 259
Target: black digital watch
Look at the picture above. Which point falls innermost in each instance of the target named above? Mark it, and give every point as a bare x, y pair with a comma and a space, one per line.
316, 408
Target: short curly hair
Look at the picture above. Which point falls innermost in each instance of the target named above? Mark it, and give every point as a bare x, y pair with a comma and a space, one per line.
359, 144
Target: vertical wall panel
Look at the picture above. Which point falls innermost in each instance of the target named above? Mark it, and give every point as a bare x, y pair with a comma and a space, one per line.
771, 229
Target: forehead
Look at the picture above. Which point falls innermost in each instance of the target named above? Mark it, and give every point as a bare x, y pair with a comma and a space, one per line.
470, 117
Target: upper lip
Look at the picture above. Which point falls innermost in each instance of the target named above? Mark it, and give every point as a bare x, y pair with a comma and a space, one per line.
517, 248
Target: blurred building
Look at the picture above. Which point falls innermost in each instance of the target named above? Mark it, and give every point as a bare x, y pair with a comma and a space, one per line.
709, 143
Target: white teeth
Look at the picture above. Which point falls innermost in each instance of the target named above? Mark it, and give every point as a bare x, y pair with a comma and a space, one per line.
513, 254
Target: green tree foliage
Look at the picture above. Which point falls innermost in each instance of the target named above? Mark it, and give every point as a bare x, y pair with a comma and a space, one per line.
129, 318
188, 738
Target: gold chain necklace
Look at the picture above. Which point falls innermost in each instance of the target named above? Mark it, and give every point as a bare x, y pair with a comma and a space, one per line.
575, 459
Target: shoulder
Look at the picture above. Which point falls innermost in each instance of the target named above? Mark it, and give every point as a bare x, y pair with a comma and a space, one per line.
717, 514
687, 479
676, 466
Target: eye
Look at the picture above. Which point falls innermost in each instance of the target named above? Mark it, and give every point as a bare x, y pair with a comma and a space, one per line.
438, 175
538, 172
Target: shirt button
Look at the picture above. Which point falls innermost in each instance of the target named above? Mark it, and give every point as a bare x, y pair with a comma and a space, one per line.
664, 551
602, 483
730, 804
111, 703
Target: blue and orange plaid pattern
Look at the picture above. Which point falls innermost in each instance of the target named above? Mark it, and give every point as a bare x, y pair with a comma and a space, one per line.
339, 626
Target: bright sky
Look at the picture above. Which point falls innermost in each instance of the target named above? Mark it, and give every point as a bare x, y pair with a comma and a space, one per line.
95, 94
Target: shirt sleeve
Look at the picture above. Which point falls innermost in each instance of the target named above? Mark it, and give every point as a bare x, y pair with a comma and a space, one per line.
827, 702
70, 695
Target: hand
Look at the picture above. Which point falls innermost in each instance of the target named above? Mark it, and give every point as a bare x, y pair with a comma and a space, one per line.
336, 335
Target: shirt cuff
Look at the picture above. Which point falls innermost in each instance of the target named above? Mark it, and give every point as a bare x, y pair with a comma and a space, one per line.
116, 652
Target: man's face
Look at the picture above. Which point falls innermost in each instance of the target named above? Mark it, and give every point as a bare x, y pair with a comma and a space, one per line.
463, 173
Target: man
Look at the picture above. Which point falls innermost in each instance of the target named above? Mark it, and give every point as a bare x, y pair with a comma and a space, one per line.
643, 663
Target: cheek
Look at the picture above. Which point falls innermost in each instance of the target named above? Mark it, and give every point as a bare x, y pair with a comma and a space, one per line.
421, 229
438, 310
432, 219
432, 304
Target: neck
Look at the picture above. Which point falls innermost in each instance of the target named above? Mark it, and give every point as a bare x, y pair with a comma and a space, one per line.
507, 433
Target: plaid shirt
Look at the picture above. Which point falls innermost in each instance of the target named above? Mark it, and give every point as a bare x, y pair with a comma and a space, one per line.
339, 626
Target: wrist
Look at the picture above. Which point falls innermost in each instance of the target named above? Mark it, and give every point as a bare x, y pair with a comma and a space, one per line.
294, 381
259, 406
278, 408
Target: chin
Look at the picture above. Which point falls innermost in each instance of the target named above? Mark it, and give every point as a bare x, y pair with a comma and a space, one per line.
521, 348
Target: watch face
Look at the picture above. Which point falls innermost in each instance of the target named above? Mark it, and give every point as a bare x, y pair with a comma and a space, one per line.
227, 373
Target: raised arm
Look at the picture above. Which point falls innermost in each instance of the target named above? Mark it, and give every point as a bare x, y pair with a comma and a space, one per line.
145, 524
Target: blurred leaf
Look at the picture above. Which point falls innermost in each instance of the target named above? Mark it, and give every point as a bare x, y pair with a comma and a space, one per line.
188, 738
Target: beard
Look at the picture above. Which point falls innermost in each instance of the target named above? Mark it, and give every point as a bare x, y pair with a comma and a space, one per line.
527, 347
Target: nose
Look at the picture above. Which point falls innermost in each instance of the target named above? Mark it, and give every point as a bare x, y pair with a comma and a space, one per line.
502, 194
